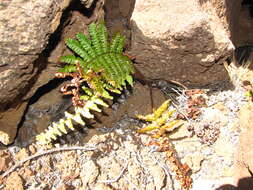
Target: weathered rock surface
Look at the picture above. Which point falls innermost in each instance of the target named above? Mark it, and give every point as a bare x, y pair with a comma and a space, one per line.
177, 40
236, 16
117, 17
23, 39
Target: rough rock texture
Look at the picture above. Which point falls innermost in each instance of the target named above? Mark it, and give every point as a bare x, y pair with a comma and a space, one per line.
23, 62
22, 38
236, 16
177, 40
243, 24
117, 17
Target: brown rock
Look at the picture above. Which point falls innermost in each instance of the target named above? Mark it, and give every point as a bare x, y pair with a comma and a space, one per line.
179, 41
158, 175
14, 182
118, 15
23, 38
91, 176
32, 149
22, 154
5, 160
236, 17
245, 152
8, 123
87, 3
26, 173
139, 102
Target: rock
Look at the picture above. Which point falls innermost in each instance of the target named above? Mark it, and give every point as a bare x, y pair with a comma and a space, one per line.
158, 175
236, 17
138, 102
26, 173
5, 160
194, 161
21, 155
100, 187
89, 177
48, 107
87, 3
245, 151
23, 38
25, 49
8, 123
14, 182
117, 17
179, 41
32, 149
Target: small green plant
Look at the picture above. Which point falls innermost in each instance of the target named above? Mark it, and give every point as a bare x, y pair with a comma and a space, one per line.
97, 68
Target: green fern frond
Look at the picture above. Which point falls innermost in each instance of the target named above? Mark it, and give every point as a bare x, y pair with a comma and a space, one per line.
78, 49
95, 38
70, 59
86, 44
68, 69
104, 69
103, 38
115, 41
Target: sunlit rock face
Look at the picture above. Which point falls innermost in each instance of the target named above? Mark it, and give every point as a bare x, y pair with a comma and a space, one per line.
180, 40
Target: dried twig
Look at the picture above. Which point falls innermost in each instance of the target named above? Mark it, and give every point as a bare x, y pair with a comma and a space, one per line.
21, 162
117, 178
164, 167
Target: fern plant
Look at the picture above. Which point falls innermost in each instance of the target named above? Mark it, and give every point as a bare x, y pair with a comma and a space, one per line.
97, 67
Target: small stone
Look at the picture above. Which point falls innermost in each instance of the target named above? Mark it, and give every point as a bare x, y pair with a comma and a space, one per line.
5, 160
180, 132
4, 138
62, 187
224, 148
158, 176
14, 182
101, 187
27, 173
194, 161
22, 154
32, 149
89, 173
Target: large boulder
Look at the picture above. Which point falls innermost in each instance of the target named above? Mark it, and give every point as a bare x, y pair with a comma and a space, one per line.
178, 40
27, 29
236, 16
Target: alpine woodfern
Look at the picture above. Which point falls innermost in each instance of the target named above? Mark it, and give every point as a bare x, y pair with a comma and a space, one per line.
97, 68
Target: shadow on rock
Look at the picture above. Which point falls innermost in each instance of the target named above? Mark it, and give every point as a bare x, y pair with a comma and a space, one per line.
243, 184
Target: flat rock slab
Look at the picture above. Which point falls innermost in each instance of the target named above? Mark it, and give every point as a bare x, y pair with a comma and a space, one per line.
177, 40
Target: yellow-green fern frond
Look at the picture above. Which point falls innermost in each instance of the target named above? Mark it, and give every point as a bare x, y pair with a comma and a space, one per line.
57, 129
